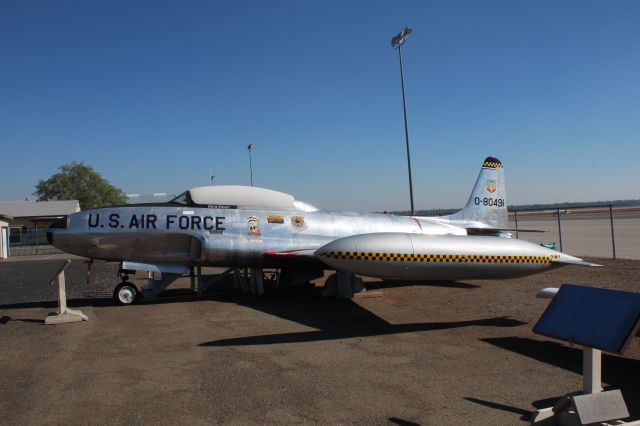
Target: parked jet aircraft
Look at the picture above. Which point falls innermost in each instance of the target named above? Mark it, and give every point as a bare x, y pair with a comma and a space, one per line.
240, 226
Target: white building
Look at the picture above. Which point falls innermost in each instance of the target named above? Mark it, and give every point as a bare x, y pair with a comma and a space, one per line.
23, 224
4, 236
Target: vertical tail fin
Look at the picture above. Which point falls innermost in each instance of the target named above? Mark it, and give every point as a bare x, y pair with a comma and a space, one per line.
487, 205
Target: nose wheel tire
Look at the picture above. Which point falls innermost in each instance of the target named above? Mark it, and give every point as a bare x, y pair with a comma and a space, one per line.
125, 294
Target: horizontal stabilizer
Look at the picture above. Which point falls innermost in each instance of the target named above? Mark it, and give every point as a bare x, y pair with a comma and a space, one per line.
496, 231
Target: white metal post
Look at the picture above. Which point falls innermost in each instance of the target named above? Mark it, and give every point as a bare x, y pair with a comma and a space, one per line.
62, 293
65, 314
591, 370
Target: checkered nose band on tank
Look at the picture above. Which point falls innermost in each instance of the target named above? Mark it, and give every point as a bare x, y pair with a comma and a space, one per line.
492, 163
437, 258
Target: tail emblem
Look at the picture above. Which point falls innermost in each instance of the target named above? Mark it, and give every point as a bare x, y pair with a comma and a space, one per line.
491, 186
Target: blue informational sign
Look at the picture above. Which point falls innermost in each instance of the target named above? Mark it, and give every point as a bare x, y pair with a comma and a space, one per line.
593, 317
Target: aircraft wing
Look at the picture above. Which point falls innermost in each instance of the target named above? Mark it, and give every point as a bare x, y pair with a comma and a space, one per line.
291, 258
290, 254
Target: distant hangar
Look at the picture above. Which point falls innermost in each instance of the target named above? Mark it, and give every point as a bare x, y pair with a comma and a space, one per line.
23, 224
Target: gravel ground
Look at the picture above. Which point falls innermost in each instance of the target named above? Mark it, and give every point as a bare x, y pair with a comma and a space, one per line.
445, 353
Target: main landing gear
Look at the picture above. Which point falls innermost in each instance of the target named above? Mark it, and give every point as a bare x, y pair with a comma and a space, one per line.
125, 293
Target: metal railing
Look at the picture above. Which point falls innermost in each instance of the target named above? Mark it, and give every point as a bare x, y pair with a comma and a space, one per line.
591, 228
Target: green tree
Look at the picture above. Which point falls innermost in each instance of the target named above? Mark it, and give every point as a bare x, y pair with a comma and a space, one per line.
77, 181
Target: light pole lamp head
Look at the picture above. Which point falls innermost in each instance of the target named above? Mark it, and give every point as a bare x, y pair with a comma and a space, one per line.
399, 40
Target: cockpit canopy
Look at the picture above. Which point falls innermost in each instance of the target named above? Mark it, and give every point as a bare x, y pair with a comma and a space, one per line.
244, 197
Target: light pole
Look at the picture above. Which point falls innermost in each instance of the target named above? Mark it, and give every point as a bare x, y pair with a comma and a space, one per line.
396, 43
250, 148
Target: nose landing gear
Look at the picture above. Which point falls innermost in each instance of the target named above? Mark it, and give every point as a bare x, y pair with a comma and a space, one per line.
126, 292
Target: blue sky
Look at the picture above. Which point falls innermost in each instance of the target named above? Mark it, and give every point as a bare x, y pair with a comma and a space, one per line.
152, 93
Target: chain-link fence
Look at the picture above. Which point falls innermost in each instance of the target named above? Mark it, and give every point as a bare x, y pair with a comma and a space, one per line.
599, 231
23, 242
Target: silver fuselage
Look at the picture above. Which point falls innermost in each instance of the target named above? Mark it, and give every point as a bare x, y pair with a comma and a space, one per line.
221, 237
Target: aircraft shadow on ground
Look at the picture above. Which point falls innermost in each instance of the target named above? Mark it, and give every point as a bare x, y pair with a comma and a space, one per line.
401, 422
374, 285
334, 319
618, 372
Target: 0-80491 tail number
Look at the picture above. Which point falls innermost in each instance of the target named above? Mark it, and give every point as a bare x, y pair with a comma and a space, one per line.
489, 202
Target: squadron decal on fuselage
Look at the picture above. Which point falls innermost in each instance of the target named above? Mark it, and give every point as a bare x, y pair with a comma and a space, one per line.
298, 224
275, 219
254, 224
214, 225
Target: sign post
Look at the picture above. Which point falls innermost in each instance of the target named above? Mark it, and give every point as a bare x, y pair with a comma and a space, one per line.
65, 314
597, 319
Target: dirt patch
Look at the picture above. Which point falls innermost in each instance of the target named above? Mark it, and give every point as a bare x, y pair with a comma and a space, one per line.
448, 353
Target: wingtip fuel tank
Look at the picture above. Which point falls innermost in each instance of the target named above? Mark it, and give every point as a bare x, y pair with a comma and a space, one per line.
439, 257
